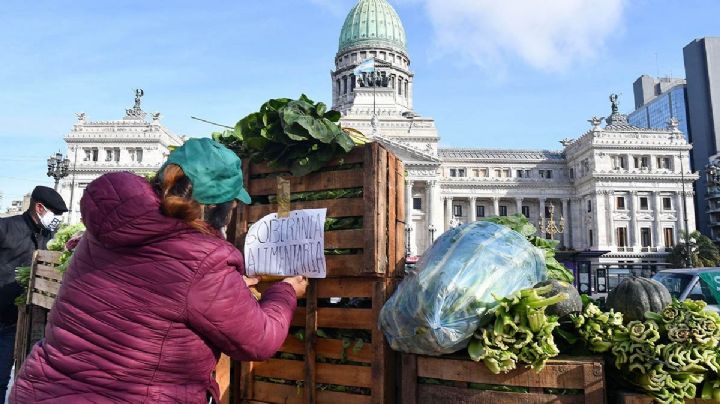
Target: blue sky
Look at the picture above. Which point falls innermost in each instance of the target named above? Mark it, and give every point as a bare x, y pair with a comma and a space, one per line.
492, 74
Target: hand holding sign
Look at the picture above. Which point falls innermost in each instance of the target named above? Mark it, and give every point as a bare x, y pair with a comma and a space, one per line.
288, 246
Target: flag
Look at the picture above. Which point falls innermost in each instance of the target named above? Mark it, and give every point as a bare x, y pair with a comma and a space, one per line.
367, 66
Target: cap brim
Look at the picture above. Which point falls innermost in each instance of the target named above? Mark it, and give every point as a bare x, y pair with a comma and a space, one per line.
243, 196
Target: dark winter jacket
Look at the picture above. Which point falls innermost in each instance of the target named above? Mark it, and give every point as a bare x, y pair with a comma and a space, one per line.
146, 307
20, 236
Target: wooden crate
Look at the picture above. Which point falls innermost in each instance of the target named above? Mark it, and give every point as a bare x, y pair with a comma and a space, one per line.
379, 244
43, 287
441, 380
368, 369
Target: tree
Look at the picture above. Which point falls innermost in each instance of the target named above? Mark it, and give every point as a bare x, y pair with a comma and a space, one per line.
703, 251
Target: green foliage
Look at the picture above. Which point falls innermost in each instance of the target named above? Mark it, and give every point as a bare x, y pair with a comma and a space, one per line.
63, 235
22, 275
704, 252
520, 224
299, 135
519, 332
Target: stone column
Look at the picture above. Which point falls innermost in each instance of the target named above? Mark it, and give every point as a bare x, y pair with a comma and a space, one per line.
599, 219
630, 162
518, 205
436, 206
634, 239
657, 236
409, 202
566, 230
610, 220
473, 211
448, 212
679, 214
496, 206
541, 213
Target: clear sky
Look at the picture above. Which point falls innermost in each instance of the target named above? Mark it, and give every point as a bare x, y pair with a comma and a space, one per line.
501, 74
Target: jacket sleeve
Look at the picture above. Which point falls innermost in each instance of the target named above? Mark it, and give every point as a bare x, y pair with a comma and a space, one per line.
221, 308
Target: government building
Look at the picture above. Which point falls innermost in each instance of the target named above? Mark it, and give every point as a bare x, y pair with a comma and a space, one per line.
614, 196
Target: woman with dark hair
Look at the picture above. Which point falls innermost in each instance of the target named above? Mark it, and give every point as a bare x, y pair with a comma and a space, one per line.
154, 293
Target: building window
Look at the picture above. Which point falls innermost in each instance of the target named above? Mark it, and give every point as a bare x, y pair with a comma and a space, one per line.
585, 167
547, 212
506, 173
547, 174
453, 172
417, 203
91, 154
483, 172
525, 211
644, 203
645, 239
641, 161
669, 237
589, 205
523, 173
498, 172
503, 210
667, 203
622, 236
572, 173
663, 163
457, 210
136, 154
461, 172
112, 154
620, 202
476, 172
619, 162
590, 237
480, 211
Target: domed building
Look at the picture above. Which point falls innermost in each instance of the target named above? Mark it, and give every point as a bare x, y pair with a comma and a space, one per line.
615, 194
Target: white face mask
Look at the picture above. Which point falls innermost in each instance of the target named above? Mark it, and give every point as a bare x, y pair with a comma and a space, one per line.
49, 220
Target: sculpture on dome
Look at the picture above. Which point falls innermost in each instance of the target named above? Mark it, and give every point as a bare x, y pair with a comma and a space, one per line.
138, 93
614, 103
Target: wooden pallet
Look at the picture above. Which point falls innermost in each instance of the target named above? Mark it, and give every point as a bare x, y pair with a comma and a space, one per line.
442, 380
379, 245
625, 397
367, 369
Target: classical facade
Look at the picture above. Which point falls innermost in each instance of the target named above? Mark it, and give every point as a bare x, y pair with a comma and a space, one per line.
617, 192
98, 147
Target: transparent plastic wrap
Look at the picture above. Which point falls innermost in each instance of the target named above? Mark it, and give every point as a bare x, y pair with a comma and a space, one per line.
439, 305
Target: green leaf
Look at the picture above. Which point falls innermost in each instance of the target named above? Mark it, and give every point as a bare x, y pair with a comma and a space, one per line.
320, 108
332, 116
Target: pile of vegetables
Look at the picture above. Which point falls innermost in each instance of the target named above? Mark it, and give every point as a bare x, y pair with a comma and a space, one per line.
65, 241
299, 135
521, 331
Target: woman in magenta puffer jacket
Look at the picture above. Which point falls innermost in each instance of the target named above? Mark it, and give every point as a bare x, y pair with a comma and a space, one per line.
153, 294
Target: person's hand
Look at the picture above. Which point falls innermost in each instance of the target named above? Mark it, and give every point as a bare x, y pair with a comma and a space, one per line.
299, 284
251, 281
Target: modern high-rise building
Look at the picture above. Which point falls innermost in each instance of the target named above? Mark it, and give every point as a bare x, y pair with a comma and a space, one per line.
702, 69
657, 100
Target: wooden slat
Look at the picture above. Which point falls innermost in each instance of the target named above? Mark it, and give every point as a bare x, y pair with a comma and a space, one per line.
49, 272
277, 393
381, 237
328, 317
408, 378
345, 287
439, 394
370, 220
344, 375
44, 285
320, 181
222, 377
399, 229
344, 239
244, 382
344, 265
557, 375
279, 369
311, 326
344, 207
42, 300
382, 362
391, 212
330, 348
355, 156
50, 257
334, 397
594, 375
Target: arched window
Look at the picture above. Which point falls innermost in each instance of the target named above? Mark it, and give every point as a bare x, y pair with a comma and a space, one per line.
400, 85
338, 89
345, 85
352, 83
406, 88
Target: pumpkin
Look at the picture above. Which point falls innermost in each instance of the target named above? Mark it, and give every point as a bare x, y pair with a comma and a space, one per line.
635, 295
573, 303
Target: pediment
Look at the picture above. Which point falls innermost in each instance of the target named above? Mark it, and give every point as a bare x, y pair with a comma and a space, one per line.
407, 153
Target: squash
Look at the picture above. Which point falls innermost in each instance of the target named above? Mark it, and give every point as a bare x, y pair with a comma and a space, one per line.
572, 304
635, 295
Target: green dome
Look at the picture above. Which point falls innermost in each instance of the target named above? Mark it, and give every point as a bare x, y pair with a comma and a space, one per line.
372, 22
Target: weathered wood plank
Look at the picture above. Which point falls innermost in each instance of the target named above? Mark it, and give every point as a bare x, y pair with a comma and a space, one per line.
44, 285
330, 317
265, 392
42, 300
355, 156
320, 181
382, 359
50, 272
439, 394
399, 219
330, 348
49, 257
344, 375
344, 239
344, 207
408, 377
391, 213
311, 326
345, 287
279, 369
556, 375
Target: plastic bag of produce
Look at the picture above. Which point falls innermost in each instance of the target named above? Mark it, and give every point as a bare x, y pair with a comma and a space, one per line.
439, 305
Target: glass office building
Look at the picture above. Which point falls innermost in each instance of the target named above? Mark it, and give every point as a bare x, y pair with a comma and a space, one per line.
656, 113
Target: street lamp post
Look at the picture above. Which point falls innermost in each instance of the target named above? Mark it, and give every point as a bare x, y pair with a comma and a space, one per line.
408, 230
431, 229
58, 167
551, 227
684, 207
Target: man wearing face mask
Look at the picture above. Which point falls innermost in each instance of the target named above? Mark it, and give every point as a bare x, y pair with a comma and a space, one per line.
20, 236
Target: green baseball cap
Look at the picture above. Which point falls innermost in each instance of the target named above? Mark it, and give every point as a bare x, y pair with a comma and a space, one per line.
214, 170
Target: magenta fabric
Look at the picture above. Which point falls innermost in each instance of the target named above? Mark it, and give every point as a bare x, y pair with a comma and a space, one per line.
146, 307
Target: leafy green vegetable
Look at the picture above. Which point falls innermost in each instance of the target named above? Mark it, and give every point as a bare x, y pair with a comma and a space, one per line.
22, 275
299, 135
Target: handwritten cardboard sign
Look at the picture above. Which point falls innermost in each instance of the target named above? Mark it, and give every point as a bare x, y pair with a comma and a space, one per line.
287, 246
